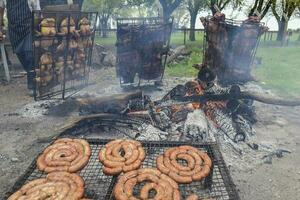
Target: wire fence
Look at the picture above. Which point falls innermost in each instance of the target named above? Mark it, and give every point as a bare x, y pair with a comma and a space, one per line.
182, 37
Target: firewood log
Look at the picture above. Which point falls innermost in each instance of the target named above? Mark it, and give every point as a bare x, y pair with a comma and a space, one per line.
269, 99
109, 104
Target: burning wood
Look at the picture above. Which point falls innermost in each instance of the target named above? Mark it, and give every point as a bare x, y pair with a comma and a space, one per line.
119, 103
221, 112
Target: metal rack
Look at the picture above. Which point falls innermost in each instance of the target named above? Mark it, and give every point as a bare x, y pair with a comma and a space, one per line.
218, 185
224, 63
69, 48
142, 49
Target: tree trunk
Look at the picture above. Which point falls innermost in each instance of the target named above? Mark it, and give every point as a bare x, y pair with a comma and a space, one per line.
104, 27
192, 26
282, 26
212, 8
166, 14
298, 37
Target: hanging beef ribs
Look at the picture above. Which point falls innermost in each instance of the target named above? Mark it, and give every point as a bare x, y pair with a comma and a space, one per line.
230, 47
140, 47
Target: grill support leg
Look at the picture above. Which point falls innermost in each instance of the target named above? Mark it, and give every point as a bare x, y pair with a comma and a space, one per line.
208, 179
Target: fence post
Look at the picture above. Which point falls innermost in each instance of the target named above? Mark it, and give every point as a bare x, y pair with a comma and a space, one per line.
271, 36
184, 37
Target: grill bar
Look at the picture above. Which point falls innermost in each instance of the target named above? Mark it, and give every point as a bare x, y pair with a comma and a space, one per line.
98, 186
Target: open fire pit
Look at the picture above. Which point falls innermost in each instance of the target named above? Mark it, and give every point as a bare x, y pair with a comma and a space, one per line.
171, 123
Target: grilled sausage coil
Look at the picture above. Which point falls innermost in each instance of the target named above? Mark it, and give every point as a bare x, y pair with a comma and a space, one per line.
121, 156
198, 164
56, 185
65, 154
164, 186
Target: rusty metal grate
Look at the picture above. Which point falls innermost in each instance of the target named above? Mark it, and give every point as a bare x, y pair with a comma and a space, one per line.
218, 185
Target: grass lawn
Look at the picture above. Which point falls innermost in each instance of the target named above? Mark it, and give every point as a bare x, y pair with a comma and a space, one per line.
280, 69
177, 38
110, 40
185, 67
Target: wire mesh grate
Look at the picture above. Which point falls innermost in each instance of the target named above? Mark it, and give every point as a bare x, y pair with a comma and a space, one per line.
140, 58
232, 63
218, 185
62, 56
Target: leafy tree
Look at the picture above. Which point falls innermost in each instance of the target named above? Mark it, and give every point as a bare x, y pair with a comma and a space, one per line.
143, 6
168, 7
262, 6
181, 17
194, 6
222, 4
105, 8
283, 10
298, 16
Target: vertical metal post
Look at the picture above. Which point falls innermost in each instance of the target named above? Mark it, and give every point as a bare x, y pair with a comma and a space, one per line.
66, 56
271, 36
184, 37
34, 53
4, 61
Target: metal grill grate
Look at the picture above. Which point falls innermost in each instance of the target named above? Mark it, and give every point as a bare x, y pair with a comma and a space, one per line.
67, 72
142, 49
218, 185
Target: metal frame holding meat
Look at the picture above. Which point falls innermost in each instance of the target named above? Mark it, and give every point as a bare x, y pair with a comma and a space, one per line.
230, 46
142, 48
62, 50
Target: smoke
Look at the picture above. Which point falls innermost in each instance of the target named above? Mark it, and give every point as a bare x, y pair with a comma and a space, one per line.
231, 46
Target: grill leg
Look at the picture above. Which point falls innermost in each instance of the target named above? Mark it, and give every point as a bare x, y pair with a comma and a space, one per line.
4, 60
208, 179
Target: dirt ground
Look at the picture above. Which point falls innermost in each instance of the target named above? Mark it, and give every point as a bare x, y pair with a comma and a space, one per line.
277, 125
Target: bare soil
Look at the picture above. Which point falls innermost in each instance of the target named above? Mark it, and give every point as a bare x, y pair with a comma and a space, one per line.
19, 132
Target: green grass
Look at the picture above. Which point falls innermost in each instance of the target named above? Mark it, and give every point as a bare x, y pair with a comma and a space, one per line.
110, 40
267, 40
185, 67
177, 38
280, 69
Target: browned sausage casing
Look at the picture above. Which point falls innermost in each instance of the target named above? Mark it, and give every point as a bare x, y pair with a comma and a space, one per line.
195, 164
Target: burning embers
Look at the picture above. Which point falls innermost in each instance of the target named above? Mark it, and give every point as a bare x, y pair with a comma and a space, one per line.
222, 108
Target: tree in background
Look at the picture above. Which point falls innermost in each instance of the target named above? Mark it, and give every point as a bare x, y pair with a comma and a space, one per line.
181, 17
168, 7
143, 6
194, 6
219, 5
262, 6
105, 8
298, 16
283, 10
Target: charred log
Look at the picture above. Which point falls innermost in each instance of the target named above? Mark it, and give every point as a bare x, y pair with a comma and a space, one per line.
115, 104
